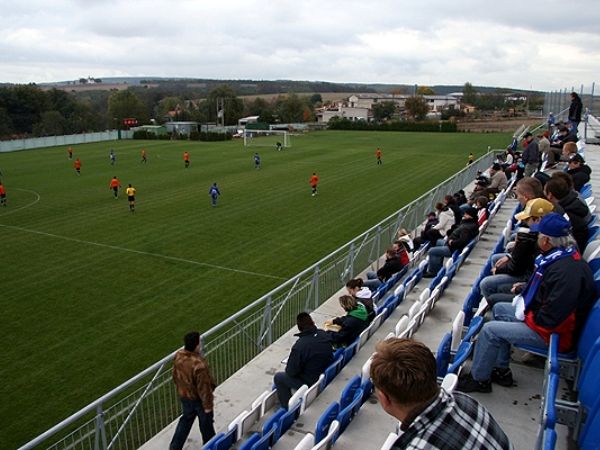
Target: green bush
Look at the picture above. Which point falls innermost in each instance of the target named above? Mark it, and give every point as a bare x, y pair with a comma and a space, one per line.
144, 134
425, 126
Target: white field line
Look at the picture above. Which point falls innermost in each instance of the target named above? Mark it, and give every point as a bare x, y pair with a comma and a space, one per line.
139, 252
22, 207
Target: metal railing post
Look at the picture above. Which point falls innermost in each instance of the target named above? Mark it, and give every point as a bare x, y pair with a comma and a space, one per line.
99, 430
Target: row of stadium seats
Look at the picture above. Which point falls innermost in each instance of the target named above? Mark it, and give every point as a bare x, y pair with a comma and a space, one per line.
261, 426
581, 367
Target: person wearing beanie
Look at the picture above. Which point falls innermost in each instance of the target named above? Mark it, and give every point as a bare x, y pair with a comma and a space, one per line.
458, 239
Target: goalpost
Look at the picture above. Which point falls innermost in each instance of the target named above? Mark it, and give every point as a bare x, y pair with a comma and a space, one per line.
266, 138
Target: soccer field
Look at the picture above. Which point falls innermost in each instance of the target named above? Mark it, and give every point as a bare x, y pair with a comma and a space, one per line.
92, 293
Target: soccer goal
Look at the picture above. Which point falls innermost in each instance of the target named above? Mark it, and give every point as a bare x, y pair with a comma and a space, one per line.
267, 138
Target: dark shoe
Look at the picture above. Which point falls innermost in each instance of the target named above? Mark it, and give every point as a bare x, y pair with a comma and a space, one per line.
503, 377
428, 275
466, 383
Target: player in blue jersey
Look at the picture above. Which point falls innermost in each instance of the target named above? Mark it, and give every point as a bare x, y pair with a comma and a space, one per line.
214, 193
112, 157
256, 161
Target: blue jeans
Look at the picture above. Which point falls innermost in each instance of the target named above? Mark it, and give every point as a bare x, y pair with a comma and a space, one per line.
501, 283
284, 384
372, 282
436, 257
495, 339
191, 410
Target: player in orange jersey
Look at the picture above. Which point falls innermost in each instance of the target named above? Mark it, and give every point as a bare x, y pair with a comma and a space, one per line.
313, 182
2, 195
115, 185
77, 165
378, 156
144, 157
186, 159
70, 152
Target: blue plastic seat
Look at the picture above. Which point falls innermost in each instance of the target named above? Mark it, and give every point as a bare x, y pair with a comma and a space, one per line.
463, 352
593, 232
474, 328
271, 426
211, 445
227, 439
349, 352
249, 443
286, 420
367, 389
268, 438
347, 414
349, 391
442, 357
332, 371
325, 421
587, 339
589, 439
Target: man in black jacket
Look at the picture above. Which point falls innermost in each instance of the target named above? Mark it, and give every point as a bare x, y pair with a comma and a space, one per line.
310, 356
557, 191
579, 171
391, 266
457, 240
517, 265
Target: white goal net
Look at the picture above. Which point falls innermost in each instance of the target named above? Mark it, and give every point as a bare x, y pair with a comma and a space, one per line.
267, 138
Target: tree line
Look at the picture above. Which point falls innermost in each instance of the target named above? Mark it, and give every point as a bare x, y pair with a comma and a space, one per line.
28, 111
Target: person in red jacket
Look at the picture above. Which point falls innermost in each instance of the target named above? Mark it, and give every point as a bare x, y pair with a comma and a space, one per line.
556, 299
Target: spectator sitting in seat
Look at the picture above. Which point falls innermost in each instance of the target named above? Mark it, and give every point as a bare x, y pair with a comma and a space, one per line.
351, 325
557, 191
556, 299
391, 266
568, 149
569, 180
422, 238
444, 225
460, 198
460, 237
498, 181
403, 372
482, 212
310, 356
528, 189
579, 171
564, 136
456, 210
401, 252
407, 240
363, 295
517, 265
553, 153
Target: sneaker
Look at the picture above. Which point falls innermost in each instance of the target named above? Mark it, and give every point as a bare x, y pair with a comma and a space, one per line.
428, 275
503, 377
466, 383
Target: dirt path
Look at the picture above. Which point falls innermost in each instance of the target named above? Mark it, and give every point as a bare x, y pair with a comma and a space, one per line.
497, 126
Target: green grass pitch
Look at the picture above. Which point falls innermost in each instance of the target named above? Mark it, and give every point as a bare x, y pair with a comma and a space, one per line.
92, 293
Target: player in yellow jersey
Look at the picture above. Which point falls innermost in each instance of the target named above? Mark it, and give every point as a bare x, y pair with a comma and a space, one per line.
131, 197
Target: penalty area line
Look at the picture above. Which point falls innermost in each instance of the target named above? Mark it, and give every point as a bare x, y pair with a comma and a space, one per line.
139, 252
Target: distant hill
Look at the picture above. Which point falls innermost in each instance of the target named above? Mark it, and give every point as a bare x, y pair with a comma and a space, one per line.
256, 87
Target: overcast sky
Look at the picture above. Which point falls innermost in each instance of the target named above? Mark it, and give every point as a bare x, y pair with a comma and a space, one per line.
543, 45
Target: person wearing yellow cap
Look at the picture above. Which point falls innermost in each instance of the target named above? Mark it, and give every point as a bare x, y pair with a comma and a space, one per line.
512, 269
